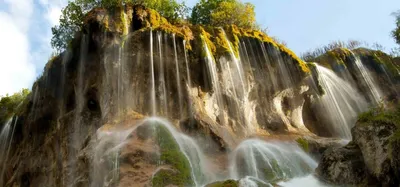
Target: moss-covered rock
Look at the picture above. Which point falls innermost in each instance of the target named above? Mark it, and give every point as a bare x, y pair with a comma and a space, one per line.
375, 136
227, 183
303, 143
171, 154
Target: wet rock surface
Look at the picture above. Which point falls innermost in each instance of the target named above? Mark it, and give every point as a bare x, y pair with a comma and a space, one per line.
368, 159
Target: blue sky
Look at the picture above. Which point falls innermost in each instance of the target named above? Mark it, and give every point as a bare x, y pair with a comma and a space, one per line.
303, 24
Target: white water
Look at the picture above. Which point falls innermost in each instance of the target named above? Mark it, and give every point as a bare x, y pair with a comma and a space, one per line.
161, 79
6, 137
187, 65
341, 103
238, 66
269, 161
153, 84
374, 89
108, 144
196, 158
212, 72
309, 181
178, 79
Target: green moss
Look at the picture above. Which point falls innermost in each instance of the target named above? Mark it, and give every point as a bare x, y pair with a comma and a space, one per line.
340, 55
312, 67
227, 183
380, 114
170, 154
303, 143
157, 22
239, 32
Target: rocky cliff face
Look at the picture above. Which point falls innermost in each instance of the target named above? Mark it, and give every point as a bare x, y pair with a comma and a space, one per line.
83, 123
371, 157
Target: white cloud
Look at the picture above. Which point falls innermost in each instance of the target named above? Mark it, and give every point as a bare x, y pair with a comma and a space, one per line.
16, 70
20, 11
53, 15
53, 11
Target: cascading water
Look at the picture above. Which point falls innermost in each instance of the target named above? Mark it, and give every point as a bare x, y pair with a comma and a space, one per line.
375, 93
178, 79
153, 81
257, 160
212, 72
187, 65
109, 143
162, 89
77, 136
340, 104
6, 138
223, 99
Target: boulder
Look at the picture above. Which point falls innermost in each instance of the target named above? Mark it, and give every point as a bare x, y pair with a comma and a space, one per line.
342, 165
372, 157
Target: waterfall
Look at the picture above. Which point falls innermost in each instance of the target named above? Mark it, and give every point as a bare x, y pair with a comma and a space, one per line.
187, 65
109, 143
198, 163
212, 72
269, 161
367, 78
162, 88
6, 138
77, 135
341, 103
238, 64
153, 84
178, 79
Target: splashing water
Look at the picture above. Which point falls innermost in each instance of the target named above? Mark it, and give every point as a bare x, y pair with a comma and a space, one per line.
340, 104
269, 161
109, 143
374, 89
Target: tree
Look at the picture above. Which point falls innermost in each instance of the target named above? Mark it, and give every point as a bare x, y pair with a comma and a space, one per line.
224, 12
236, 13
10, 104
71, 20
396, 31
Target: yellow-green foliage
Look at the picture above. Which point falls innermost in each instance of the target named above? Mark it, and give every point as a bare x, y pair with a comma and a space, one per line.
12, 104
340, 55
205, 37
171, 154
303, 143
234, 12
157, 22
264, 38
379, 57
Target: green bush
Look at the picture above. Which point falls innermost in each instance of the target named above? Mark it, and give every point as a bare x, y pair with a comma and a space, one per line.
9, 104
219, 13
71, 20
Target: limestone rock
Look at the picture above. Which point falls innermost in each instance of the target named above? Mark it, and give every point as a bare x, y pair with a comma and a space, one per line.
342, 165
